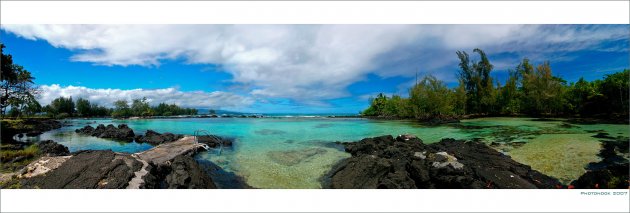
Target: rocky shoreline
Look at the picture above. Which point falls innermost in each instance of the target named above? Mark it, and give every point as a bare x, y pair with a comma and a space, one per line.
384, 162
57, 168
104, 169
405, 162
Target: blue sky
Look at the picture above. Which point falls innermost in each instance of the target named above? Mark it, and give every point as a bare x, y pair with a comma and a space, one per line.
290, 68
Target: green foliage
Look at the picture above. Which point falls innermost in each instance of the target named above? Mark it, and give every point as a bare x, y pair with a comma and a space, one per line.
508, 100
477, 82
121, 109
17, 90
60, 105
141, 107
615, 88
530, 89
431, 98
29, 152
544, 92
83, 107
377, 106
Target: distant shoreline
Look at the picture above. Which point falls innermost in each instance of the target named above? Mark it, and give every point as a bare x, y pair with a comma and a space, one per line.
600, 119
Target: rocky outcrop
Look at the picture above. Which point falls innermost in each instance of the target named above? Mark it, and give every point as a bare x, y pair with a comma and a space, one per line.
51, 148
155, 138
104, 169
121, 133
28, 127
214, 141
405, 162
88, 170
182, 173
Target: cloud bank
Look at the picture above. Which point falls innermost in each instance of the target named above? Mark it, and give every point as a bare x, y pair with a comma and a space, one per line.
313, 63
106, 97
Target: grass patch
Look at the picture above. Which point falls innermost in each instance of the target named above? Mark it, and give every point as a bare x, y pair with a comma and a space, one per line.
13, 160
28, 152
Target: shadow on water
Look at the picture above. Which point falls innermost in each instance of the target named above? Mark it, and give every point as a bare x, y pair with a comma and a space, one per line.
221, 178
615, 151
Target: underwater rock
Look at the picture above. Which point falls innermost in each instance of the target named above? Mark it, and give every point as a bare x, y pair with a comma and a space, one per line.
567, 125
442, 120
122, 133
51, 148
293, 157
154, 138
603, 135
321, 126
270, 132
385, 162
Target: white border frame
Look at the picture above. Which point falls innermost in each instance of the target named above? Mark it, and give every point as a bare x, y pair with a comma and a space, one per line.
329, 12
312, 12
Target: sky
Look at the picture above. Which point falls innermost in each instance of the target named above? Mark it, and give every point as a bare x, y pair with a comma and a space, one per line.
290, 68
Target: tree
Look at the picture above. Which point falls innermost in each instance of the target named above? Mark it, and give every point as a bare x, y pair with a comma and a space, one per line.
509, 95
615, 87
62, 105
16, 83
431, 97
83, 107
377, 106
140, 107
121, 109
545, 92
477, 81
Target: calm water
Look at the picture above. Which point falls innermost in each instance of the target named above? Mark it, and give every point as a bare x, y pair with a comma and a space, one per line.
296, 152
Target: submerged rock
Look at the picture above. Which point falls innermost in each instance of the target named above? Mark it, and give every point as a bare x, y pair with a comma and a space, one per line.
121, 133
270, 132
293, 157
405, 162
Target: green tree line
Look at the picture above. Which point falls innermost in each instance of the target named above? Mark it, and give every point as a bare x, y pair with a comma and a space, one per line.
529, 90
65, 107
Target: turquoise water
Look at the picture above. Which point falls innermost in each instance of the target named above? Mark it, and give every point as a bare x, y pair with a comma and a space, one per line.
294, 152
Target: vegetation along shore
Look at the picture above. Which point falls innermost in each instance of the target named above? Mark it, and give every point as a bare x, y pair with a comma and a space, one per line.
455, 159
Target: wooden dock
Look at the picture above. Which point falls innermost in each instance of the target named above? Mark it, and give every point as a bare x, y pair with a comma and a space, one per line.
167, 151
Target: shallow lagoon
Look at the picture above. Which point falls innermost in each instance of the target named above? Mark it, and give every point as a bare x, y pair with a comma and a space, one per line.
295, 152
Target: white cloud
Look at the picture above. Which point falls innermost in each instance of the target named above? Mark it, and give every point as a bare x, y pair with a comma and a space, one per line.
106, 97
311, 63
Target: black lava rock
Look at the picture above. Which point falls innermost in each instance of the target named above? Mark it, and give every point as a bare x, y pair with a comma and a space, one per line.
405, 162
51, 148
121, 133
155, 138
